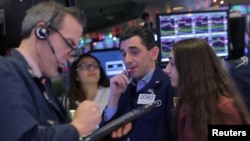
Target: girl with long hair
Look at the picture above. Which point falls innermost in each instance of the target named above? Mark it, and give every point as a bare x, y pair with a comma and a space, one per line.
206, 93
88, 81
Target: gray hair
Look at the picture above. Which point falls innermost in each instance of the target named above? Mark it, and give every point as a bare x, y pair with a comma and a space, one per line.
50, 13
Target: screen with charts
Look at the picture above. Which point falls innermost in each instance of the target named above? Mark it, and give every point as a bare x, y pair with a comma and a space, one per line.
209, 25
111, 61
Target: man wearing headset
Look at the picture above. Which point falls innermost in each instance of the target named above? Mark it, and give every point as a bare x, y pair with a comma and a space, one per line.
29, 110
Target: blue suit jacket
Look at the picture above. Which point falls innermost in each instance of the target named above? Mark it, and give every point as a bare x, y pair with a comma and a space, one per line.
26, 115
156, 125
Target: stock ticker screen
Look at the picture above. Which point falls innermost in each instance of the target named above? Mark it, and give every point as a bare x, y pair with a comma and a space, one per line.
209, 25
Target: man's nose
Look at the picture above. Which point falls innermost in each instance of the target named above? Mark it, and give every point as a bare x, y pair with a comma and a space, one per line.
128, 58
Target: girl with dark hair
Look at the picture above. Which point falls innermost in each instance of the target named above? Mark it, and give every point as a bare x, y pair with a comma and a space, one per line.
206, 93
88, 81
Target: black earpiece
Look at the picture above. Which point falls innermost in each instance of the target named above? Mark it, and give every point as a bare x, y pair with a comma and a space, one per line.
42, 32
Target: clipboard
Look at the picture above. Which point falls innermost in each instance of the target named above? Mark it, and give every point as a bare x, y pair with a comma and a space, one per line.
120, 121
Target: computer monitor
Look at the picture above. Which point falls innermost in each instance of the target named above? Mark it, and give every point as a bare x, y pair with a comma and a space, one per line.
111, 60
209, 25
242, 8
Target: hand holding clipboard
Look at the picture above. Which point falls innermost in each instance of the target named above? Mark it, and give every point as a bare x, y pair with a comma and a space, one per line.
122, 120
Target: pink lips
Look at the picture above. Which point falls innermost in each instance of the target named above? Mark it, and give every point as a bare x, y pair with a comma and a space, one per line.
91, 74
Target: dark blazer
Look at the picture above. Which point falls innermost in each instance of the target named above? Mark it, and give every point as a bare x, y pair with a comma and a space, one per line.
26, 114
240, 72
157, 125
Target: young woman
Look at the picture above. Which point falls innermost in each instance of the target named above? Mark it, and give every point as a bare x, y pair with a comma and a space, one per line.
206, 93
88, 81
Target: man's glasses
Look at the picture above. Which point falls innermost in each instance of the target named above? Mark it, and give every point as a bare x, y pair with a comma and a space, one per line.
72, 52
85, 66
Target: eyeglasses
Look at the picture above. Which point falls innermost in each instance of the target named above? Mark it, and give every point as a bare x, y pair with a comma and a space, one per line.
72, 52
85, 66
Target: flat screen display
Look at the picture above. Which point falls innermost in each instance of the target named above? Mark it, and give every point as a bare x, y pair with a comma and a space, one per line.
242, 8
209, 25
111, 60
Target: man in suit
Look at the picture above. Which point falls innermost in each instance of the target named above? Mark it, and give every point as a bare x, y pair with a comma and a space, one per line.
141, 83
29, 109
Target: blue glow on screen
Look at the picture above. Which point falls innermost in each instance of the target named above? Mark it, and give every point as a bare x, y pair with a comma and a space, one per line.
107, 57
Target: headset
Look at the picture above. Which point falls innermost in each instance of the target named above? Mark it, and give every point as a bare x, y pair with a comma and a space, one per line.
42, 33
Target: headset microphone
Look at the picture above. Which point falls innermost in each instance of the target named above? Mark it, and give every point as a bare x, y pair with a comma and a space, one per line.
42, 33
59, 68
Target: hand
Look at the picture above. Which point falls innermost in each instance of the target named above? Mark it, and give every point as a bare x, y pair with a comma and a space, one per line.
118, 85
122, 131
82, 119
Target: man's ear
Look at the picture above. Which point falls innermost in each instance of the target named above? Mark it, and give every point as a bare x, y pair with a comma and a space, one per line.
154, 53
39, 24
